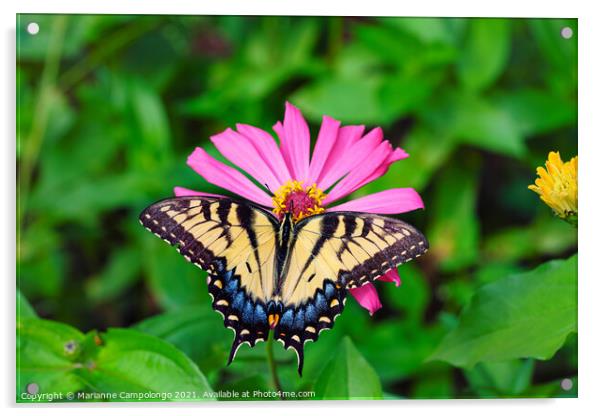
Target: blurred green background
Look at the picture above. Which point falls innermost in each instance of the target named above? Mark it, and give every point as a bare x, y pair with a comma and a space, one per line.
109, 107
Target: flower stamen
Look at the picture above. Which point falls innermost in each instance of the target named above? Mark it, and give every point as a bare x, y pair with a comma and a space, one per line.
300, 201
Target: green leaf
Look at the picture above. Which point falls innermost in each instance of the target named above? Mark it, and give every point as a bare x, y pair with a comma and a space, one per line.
149, 125
174, 282
524, 315
560, 54
477, 121
435, 383
120, 274
247, 385
545, 236
196, 330
24, 308
537, 111
412, 297
348, 376
50, 264
59, 358
485, 53
426, 29
48, 353
407, 345
130, 361
501, 379
350, 100
454, 230
390, 45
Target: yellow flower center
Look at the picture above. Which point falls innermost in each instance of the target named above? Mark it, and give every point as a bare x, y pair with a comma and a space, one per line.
557, 185
300, 201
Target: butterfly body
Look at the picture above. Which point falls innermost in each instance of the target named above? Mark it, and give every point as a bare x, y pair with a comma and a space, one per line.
266, 274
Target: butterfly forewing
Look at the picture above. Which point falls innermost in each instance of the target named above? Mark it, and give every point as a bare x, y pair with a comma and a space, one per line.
350, 249
236, 243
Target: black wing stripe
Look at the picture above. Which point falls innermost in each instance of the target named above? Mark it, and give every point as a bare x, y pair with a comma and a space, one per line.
327, 229
246, 217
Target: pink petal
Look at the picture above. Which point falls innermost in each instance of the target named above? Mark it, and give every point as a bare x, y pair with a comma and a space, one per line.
397, 154
295, 142
359, 174
239, 150
391, 276
226, 177
279, 129
348, 152
327, 138
390, 201
269, 151
179, 191
367, 297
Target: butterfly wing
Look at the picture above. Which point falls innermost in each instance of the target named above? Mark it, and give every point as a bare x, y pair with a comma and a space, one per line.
334, 252
235, 242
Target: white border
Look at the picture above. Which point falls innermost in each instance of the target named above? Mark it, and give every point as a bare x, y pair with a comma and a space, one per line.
590, 136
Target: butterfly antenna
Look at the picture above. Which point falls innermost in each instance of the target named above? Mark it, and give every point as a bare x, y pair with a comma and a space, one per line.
269, 190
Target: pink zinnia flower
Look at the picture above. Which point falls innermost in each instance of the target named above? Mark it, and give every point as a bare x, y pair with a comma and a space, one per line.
343, 160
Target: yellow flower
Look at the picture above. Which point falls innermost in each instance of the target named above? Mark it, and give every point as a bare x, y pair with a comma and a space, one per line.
557, 186
300, 201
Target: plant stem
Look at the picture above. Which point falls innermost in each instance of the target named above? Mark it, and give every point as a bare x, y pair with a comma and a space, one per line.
272, 363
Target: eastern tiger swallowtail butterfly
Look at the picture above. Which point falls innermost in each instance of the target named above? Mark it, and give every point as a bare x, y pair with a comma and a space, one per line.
291, 278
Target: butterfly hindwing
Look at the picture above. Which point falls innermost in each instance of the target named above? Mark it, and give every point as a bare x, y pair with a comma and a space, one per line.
235, 242
246, 317
302, 323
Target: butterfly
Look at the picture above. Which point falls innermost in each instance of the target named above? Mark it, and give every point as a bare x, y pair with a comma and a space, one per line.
288, 277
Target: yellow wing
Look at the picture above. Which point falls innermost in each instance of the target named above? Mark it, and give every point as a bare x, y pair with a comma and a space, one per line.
219, 234
348, 249
236, 243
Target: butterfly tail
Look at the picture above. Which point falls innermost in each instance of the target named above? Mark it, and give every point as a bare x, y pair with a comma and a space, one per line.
235, 346
304, 323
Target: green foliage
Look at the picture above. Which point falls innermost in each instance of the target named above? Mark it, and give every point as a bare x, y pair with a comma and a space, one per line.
454, 233
24, 308
524, 315
486, 53
134, 362
348, 376
196, 330
58, 358
501, 379
47, 355
109, 107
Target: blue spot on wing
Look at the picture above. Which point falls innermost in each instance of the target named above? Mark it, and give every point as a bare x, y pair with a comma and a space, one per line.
299, 323
239, 301
287, 318
311, 314
247, 313
320, 303
259, 317
329, 290
231, 287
